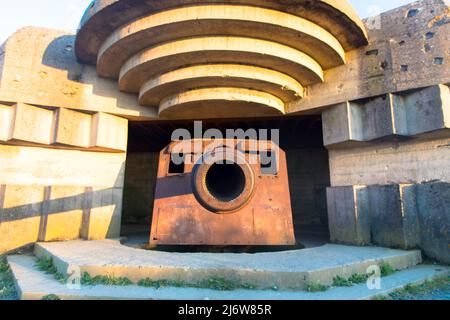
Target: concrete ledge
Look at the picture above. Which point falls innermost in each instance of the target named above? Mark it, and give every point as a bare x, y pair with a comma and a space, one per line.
291, 270
206, 50
73, 128
32, 124
219, 75
32, 284
404, 114
226, 103
61, 128
421, 111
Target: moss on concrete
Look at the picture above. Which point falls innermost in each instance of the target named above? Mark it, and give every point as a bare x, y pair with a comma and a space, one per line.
386, 269
88, 280
46, 265
219, 284
358, 278
341, 282
316, 287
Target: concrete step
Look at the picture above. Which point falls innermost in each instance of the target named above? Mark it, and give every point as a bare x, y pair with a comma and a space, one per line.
33, 284
288, 270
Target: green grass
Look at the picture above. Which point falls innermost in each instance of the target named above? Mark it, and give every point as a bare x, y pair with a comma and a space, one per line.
149, 283
316, 287
51, 297
341, 282
46, 265
358, 278
222, 284
7, 288
219, 284
88, 280
386, 269
427, 288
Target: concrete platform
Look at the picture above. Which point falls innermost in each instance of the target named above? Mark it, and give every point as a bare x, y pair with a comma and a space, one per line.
33, 284
287, 270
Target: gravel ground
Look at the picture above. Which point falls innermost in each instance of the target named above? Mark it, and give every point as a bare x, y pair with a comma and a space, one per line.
438, 294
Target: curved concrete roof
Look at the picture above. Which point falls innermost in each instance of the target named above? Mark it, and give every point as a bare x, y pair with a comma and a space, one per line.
178, 54
210, 20
102, 17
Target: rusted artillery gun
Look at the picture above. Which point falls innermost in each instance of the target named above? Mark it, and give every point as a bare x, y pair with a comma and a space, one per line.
233, 193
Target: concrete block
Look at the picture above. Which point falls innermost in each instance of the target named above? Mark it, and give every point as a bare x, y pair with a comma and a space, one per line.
32, 124
20, 216
63, 213
372, 118
411, 223
5, 122
433, 203
348, 215
358, 121
422, 111
336, 124
109, 132
393, 216
73, 128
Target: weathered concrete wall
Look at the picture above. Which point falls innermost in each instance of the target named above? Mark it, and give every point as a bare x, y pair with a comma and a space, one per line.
40, 68
408, 49
389, 164
61, 174
398, 138
414, 161
402, 216
348, 222
139, 189
50, 195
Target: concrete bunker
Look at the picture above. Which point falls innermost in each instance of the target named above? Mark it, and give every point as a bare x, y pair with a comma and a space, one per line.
381, 96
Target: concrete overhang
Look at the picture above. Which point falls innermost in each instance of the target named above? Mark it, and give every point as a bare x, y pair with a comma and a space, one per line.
268, 49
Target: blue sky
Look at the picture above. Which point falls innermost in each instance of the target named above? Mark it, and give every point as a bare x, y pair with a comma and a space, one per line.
65, 14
